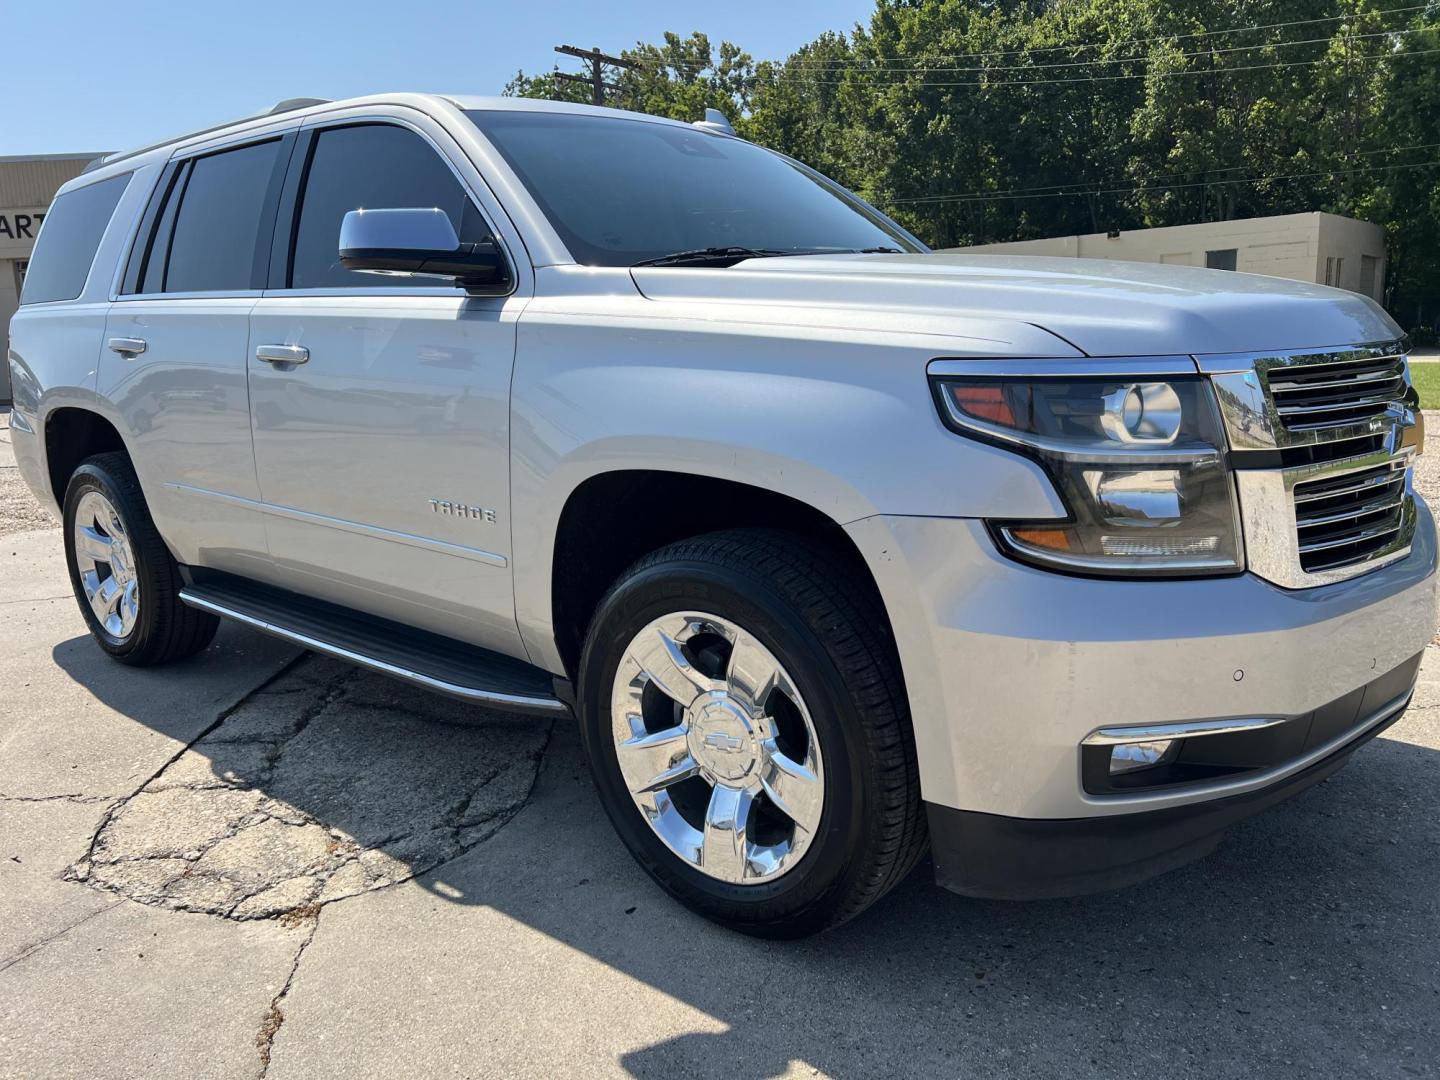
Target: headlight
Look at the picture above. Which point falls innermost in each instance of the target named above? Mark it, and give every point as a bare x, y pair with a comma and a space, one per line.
1139, 463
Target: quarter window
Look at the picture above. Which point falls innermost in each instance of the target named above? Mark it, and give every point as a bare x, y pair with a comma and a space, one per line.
69, 240
371, 167
217, 226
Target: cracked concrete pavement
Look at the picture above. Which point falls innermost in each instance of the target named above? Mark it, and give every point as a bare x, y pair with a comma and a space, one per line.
263, 863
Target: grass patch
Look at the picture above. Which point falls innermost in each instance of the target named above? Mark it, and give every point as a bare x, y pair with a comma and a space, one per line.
1426, 378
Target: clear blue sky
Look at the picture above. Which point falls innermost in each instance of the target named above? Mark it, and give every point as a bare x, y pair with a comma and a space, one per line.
83, 75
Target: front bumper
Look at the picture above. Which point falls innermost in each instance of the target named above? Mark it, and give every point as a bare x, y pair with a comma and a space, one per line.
1004, 858
1008, 668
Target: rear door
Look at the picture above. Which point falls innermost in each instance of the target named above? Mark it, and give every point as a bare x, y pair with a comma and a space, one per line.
175, 365
383, 456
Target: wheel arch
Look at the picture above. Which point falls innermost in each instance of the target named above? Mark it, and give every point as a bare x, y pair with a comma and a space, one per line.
72, 434
658, 507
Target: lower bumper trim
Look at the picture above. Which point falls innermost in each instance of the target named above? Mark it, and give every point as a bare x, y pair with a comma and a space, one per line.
1004, 858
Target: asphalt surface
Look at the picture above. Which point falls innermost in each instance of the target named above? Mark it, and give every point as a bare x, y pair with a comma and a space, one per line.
261, 863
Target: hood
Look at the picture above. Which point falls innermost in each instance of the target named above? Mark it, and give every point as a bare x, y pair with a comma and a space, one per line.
1101, 307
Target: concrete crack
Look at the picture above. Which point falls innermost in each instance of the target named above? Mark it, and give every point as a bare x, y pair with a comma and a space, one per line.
35, 946
71, 797
122, 802
310, 791
275, 1016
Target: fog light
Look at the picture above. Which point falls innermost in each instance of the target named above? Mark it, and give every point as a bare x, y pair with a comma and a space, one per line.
1127, 757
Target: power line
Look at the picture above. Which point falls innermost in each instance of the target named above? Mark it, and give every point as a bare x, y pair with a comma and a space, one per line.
899, 73
840, 62
596, 79
1002, 83
1088, 187
934, 199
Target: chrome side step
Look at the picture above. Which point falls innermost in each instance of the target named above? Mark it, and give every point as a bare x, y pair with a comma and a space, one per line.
429, 660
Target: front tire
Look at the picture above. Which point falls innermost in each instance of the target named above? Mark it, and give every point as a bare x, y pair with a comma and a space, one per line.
125, 579
747, 727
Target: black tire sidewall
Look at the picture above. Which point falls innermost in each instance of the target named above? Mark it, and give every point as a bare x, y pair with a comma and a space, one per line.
802, 898
95, 476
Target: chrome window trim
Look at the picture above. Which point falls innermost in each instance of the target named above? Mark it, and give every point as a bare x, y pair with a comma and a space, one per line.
209, 294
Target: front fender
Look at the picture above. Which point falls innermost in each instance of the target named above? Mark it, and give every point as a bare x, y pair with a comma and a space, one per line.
847, 427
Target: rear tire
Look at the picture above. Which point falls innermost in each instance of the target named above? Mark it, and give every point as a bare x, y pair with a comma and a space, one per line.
125, 579
793, 610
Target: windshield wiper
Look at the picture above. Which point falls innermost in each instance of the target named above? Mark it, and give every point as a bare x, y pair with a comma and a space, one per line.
710, 256
729, 256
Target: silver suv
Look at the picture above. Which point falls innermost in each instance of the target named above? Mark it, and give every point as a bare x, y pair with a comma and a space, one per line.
835, 547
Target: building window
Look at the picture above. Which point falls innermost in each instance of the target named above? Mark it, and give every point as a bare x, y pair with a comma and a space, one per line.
1334, 267
20, 267
1224, 259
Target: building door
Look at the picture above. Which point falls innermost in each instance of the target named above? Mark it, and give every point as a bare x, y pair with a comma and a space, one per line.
1369, 276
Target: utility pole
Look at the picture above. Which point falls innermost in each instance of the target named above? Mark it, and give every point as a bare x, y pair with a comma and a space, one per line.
598, 62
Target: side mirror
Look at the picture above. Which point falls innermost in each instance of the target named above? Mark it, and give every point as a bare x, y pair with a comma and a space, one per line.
421, 241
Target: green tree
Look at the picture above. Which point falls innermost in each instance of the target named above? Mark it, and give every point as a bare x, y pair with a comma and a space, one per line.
679, 78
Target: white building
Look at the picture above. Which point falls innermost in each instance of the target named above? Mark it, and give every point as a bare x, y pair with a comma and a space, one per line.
1324, 248
27, 184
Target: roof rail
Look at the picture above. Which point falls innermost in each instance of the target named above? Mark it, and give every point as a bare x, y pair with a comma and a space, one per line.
288, 105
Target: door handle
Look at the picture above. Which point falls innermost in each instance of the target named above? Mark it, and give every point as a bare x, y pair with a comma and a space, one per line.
127, 346
282, 354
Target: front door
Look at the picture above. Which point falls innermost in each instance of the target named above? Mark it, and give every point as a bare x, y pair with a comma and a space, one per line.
380, 405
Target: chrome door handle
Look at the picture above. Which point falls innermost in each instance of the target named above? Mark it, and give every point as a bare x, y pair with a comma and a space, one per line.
127, 346
282, 354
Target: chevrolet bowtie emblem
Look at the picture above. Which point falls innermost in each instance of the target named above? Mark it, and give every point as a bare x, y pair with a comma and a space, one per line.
720, 741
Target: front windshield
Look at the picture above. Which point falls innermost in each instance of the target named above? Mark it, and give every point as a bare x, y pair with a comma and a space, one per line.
621, 192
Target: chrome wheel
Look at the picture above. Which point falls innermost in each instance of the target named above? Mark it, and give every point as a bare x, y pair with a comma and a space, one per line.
717, 748
105, 563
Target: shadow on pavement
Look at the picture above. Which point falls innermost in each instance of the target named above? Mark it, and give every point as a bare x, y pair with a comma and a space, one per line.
1306, 944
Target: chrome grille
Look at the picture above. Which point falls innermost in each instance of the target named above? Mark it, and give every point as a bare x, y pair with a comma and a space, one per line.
1327, 394
1321, 441
1350, 518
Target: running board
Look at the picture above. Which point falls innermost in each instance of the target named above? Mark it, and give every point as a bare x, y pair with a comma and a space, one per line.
429, 660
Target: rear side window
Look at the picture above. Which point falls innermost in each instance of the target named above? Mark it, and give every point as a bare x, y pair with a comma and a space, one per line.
216, 234
69, 239
371, 167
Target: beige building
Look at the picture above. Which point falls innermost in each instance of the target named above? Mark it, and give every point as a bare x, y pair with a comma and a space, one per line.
27, 185
1323, 248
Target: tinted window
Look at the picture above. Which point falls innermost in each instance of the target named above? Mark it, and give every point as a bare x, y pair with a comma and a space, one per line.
217, 225
621, 191
370, 167
69, 239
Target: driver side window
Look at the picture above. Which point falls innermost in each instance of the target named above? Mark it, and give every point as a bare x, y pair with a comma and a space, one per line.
370, 167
